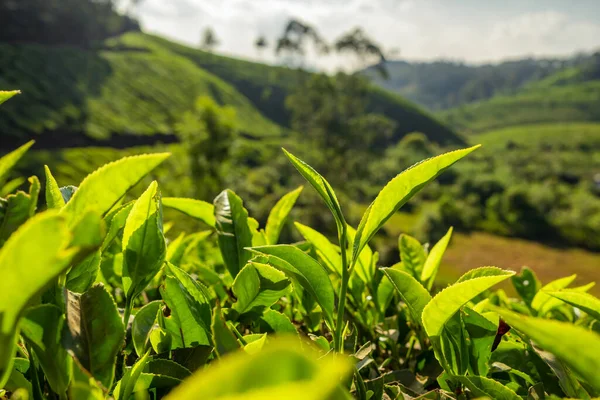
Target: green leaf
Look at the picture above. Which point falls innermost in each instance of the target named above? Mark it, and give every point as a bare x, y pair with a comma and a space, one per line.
144, 245
398, 191
233, 230
257, 287
188, 316
8, 161
5, 95
481, 386
322, 187
294, 373
10, 186
410, 290
327, 251
127, 384
224, 340
82, 276
542, 296
144, 321
446, 303
103, 188
584, 301
41, 328
20, 285
526, 284
117, 224
54, 198
18, 208
95, 332
567, 381
412, 254
159, 366
434, 259
365, 265
275, 322
197, 209
255, 346
279, 214
305, 270
481, 333
577, 347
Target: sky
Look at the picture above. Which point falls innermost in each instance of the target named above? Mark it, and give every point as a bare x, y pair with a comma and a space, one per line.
473, 31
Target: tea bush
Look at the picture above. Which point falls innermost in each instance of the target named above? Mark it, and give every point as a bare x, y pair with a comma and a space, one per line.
100, 301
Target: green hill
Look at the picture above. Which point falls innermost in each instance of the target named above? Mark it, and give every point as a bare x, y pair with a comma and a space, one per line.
133, 89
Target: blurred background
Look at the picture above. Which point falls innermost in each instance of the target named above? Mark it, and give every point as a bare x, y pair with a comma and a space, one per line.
360, 89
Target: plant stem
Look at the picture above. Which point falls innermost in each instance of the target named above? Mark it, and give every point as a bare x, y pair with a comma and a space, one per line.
127, 313
338, 339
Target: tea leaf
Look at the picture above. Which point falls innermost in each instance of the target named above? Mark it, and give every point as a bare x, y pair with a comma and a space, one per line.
21, 285
198, 209
434, 259
225, 340
95, 332
189, 314
144, 321
398, 191
257, 287
481, 386
410, 290
577, 347
144, 245
54, 198
233, 230
8, 161
446, 303
322, 187
103, 188
5, 95
412, 255
42, 327
526, 284
18, 208
279, 214
305, 270
542, 296
584, 301
327, 251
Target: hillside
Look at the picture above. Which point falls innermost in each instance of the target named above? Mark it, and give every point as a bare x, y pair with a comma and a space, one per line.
133, 89
440, 85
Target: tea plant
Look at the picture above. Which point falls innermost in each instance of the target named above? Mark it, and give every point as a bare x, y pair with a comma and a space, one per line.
96, 302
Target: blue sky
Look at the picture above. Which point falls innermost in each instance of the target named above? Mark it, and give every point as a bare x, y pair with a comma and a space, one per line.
474, 31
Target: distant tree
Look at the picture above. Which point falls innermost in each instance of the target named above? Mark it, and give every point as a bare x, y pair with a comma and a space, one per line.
207, 133
366, 50
209, 39
73, 22
331, 114
260, 44
293, 41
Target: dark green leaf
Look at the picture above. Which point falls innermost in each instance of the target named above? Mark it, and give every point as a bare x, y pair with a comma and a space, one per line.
95, 332
144, 321
42, 327
526, 284
224, 340
81, 277
303, 269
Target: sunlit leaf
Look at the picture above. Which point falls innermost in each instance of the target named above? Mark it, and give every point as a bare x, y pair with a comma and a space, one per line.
584, 301
398, 191
434, 259
410, 290
198, 209
54, 198
279, 214
8, 161
233, 230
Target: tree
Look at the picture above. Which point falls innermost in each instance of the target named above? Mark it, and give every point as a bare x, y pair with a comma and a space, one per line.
209, 39
293, 41
260, 44
207, 133
331, 114
365, 49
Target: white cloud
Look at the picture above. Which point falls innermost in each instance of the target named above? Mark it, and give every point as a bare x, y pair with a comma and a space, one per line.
425, 29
